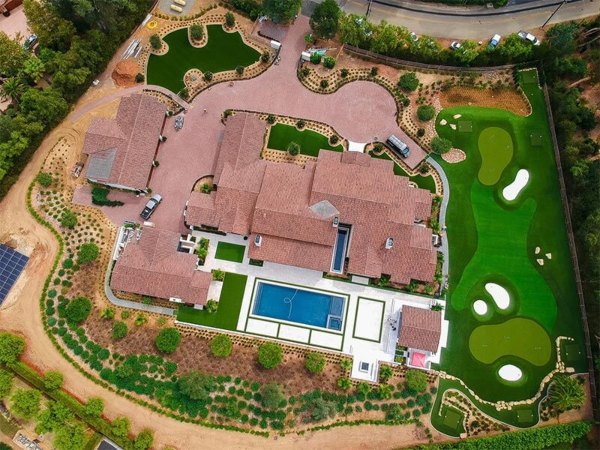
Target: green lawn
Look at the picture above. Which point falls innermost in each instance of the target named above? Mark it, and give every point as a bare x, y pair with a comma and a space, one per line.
230, 252
426, 182
223, 51
310, 141
230, 303
449, 421
493, 241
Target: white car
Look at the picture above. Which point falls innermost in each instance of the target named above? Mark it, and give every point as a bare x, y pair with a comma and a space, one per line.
529, 37
455, 45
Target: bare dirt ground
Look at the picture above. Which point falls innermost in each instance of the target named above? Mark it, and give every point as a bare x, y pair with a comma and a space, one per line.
508, 99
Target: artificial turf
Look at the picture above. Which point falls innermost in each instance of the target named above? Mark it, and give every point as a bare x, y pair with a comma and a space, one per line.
496, 148
492, 240
228, 312
230, 252
223, 51
280, 136
424, 182
449, 421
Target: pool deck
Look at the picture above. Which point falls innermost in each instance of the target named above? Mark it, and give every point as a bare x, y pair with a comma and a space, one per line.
368, 332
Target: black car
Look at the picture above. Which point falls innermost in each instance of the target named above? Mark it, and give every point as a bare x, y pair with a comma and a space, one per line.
151, 206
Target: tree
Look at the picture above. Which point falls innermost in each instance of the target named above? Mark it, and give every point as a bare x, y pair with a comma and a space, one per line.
322, 409
314, 362
46, 106
329, 62
355, 30
293, 148
78, 310
144, 440
53, 417
408, 82
12, 56
281, 11
87, 253
68, 219
70, 437
229, 19
324, 19
53, 380
168, 340
565, 393
120, 427
6, 383
440, 145
385, 373
196, 31
53, 31
561, 37
12, 89
270, 355
155, 42
45, 179
11, 348
344, 383
467, 52
221, 346
93, 408
25, 403
34, 69
119, 330
196, 385
272, 395
425, 112
513, 48
386, 39
416, 380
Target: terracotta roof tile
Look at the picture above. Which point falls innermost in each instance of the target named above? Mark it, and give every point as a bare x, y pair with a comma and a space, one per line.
420, 328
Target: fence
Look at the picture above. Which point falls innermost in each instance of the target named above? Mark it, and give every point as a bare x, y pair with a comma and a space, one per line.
573, 248
403, 64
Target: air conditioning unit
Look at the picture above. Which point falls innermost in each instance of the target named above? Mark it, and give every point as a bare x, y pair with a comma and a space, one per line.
336, 221
389, 243
258, 240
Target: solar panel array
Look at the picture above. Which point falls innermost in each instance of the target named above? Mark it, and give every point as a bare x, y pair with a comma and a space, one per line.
12, 264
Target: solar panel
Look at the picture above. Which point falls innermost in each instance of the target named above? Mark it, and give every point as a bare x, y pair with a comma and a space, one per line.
12, 264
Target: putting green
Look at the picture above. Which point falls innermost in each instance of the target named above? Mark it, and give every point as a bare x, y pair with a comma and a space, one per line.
518, 337
496, 148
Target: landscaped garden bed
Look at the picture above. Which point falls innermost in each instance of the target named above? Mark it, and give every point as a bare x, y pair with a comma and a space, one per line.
310, 142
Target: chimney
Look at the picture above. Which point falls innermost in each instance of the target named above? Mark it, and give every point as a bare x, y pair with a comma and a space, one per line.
162, 138
258, 240
389, 243
336, 221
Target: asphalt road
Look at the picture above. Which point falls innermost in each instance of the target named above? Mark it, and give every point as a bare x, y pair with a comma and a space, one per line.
477, 23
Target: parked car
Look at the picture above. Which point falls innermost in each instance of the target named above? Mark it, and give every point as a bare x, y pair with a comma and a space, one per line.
494, 41
455, 45
30, 42
529, 37
398, 147
151, 206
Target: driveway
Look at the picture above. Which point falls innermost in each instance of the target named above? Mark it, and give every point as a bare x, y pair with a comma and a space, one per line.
359, 111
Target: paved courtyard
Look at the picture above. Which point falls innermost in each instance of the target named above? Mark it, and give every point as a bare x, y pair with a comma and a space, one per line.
360, 111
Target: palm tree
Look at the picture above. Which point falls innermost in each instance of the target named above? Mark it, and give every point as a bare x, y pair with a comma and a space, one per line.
34, 69
12, 88
565, 393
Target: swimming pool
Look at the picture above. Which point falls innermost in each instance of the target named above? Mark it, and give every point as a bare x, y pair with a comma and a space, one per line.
313, 308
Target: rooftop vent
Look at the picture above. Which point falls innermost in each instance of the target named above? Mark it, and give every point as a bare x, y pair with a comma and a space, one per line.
389, 243
336, 221
258, 240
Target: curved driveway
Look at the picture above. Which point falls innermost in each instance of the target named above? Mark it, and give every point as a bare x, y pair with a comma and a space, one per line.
359, 111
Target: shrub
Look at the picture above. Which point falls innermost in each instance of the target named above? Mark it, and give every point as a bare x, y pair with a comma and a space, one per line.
218, 275
385, 373
239, 70
119, 330
11, 348
270, 355
346, 364
416, 380
229, 19
53, 380
87, 253
293, 148
184, 93
271, 119
344, 73
139, 77
329, 62
197, 32
144, 440
120, 427
272, 395
45, 179
440, 145
425, 112
208, 75
334, 139
315, 58
344, 383
100, 195
78, 310
196, 385
68, 219
314, 362
265, 57
212, 306
301, 124
421, 132
221, 346
408, 82
6, 383
324, 84
374, 71
155, 42
168, 340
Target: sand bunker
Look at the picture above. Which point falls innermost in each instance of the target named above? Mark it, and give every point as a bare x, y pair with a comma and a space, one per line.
511, 191
453, 126
499, 294
537, 250
549, 255
509, 372
480, 307
457, 116
540, 261
443, 122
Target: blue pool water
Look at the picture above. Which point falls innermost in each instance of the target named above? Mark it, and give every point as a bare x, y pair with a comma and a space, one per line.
317, 309
340, 250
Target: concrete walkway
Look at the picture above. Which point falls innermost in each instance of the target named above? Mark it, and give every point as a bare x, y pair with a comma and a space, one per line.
443, 208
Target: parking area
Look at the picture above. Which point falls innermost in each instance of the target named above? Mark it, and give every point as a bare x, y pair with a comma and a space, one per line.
15, 24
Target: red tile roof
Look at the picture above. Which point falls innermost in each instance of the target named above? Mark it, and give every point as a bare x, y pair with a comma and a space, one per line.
133, 134
152, 266
420, 328
292, 208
